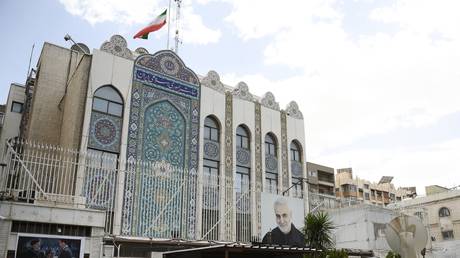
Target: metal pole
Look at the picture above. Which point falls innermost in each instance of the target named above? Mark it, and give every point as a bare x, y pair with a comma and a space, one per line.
169, 23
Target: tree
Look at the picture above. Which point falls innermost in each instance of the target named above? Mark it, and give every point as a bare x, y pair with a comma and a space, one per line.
318, 231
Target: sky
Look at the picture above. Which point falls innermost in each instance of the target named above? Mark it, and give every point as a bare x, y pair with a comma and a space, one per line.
378, 82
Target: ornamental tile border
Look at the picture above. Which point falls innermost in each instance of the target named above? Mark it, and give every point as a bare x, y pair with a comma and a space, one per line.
258, 164
229, 163
284, 151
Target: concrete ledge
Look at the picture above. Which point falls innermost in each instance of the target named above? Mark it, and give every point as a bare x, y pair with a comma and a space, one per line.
52, 214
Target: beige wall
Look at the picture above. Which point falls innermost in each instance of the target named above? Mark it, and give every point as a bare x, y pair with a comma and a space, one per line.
431, 205
74, 104
12, 120
50, 115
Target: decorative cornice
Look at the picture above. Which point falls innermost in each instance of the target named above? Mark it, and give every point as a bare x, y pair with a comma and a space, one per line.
141, 51
117, 46
242, 91
268, 100
292, 110
212, 80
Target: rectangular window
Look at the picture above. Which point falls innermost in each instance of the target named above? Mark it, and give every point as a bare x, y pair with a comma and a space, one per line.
100, 105
446, 235
16, 107
115, 109
242, 141
242, 179
366, 186
366, 196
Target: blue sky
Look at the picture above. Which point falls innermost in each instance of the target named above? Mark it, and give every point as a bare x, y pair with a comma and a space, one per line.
377, 81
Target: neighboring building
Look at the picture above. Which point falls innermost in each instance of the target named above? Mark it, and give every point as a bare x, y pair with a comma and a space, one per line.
321, 187
442, 212
11, 117
362, 226
435, 189
134, 150
2, 117
356, 189
320, 179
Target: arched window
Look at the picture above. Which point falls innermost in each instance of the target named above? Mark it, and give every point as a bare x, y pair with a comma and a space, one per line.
295, 151
103, 149
296, 169
242, 138
271, 164
444, 212
242, 184
211, 129
211, 161
107, 100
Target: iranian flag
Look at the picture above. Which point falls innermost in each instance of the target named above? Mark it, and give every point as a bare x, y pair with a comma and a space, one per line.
155, 25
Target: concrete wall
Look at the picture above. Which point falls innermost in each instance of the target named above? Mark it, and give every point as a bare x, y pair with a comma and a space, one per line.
358, 227
12, 120
56, 215
74, 104
55, 67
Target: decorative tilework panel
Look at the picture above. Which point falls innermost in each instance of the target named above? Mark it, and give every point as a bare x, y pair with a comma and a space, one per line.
164, 134
211, 150
296, 169
243, 157
163, 126
105, 132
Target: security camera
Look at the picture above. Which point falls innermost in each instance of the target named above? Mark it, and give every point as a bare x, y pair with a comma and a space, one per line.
67, 37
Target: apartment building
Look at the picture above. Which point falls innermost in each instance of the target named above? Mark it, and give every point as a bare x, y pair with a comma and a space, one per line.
355, 189
321, 179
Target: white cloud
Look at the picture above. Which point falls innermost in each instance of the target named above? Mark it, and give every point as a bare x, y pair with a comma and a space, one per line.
140, 12
118, 11
193, 29
352, 86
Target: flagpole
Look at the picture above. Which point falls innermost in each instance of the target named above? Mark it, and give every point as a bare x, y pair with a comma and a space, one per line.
169, 22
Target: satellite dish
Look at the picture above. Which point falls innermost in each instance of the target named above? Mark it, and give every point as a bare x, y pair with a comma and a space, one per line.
80, 47
406, 235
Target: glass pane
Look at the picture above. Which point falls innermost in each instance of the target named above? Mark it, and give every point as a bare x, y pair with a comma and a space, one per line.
16, 107
207, 133
214, 134
115, 109
108, 92
245, 143
100, 105
241, 131
210, 122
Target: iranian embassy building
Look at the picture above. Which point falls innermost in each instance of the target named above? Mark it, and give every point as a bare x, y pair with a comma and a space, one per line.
128, 153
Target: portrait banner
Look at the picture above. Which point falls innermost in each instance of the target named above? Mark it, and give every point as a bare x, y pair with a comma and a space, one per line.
49, 246
282, 217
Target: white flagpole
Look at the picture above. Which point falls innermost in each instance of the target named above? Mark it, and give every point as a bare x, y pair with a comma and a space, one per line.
169, 22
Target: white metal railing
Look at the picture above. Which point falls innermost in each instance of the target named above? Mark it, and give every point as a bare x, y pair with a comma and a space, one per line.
33, 172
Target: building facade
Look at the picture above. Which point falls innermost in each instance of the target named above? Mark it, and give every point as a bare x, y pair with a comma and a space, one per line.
12, 113
159, 151
354, 189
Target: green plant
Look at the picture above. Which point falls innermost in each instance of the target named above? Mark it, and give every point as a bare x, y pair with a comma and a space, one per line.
318, 231
334, 253
390, 254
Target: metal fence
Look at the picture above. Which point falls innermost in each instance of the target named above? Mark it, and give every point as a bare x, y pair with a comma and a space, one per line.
154, 195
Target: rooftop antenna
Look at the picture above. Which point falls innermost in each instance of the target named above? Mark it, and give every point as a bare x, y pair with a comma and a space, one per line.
176, 38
